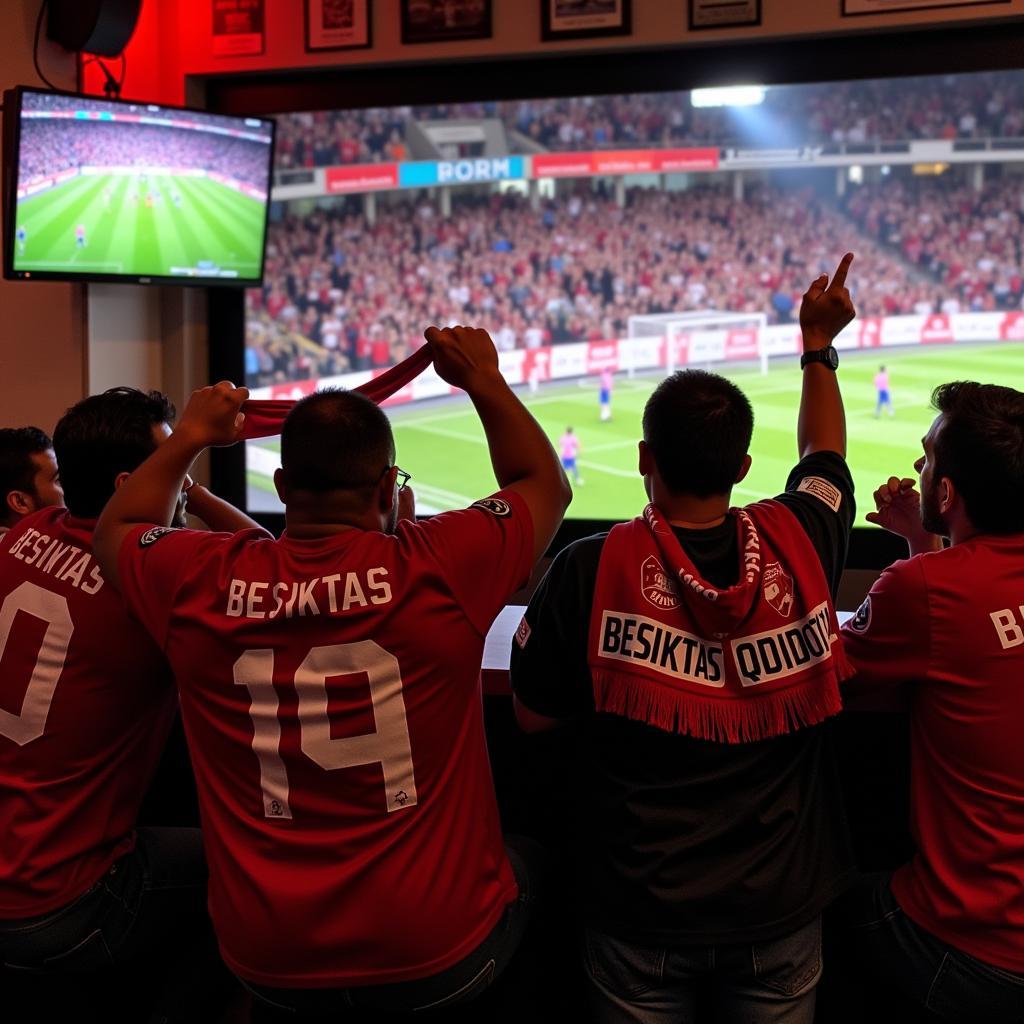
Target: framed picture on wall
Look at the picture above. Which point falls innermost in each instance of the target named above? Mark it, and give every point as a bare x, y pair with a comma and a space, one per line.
338, 24
716, 14
854, 7
438, 21
584, 19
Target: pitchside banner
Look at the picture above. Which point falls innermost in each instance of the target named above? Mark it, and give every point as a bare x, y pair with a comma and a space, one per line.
698, 347
460, 172
622, 161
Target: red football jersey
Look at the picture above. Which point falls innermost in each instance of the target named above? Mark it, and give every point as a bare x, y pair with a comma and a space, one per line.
330, 692
86, 702
951, 624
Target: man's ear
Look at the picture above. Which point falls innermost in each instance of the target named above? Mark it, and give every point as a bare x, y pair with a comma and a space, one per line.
744, 468
19, 503
646, 461
120, 479
947, 495
386, 491
280, 486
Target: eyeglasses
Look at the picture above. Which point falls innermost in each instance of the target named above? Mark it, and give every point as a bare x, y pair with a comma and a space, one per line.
402, 478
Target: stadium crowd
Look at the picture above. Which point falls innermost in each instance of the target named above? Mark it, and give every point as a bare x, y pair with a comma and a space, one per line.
986, 105
49, 147
969, 241
576, 269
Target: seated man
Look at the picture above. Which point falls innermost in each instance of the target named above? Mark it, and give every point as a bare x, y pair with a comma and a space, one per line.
946, 629
696, 649
86, 702
330, 690
29, 479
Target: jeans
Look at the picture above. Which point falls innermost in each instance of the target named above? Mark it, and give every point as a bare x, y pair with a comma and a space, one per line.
901, 956
141, 934
458, 984
769, 982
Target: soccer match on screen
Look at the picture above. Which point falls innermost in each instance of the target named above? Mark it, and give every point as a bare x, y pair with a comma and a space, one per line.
140, 191
605, 241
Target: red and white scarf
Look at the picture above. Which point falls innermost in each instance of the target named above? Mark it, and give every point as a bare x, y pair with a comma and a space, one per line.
757, 660
265, 417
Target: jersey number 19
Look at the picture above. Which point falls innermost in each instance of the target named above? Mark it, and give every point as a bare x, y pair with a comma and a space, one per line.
388, 745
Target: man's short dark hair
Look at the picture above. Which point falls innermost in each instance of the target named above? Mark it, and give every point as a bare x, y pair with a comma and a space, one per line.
980, 447
17, 470
103, 436
698, 427
333, 440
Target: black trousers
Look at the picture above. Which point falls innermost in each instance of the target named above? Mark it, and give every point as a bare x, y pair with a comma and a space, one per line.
139, 940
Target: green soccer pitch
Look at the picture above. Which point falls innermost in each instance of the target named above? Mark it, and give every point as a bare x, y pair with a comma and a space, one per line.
442, 444
139, 227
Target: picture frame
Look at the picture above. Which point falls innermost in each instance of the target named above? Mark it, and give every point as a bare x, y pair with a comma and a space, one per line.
442, 21
710, 14
238, 28
862, 8
584, 19
338, 24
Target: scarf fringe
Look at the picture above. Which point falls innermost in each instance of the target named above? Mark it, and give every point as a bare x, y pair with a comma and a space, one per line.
744, 720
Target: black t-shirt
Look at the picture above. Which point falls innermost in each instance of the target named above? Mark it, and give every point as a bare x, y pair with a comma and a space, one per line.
680, 839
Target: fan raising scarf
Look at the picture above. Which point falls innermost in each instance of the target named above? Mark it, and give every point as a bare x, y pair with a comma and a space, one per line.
757, 660
265, 417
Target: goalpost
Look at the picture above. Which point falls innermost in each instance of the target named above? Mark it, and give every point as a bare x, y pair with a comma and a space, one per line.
707, 330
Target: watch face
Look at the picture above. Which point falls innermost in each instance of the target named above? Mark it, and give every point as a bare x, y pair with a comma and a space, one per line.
832, 357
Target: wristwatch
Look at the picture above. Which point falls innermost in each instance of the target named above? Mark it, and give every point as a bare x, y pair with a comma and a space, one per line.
827, 356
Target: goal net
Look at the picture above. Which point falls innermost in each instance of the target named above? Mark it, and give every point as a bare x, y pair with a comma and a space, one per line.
703, 338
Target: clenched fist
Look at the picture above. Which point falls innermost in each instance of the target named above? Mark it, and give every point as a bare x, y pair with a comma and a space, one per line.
463, 356
213, 416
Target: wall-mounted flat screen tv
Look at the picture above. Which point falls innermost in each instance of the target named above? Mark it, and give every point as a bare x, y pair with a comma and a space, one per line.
102, 190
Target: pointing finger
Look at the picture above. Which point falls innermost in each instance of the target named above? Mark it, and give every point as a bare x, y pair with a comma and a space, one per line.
839, 278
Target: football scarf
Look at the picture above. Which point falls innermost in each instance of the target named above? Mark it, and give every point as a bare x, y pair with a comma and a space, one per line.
265, 417
757, 660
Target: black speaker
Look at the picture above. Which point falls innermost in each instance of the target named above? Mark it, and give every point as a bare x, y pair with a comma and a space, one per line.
102, 27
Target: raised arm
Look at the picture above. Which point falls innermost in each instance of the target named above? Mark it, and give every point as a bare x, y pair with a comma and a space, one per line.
521, 454
825, 311
150, 493
217, 513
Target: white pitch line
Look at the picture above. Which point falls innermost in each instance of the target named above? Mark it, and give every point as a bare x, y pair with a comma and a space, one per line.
609, 445
634, 475
442, 496
262, 460
442, 432
402, 421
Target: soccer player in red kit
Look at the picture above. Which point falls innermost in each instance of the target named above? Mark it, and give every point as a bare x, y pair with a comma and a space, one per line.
330, 693
29, 479
86, 702
946, 629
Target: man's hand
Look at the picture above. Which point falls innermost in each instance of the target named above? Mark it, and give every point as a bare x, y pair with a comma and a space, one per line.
898, 510
463, 356
826, 308
213, 416
406, 505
